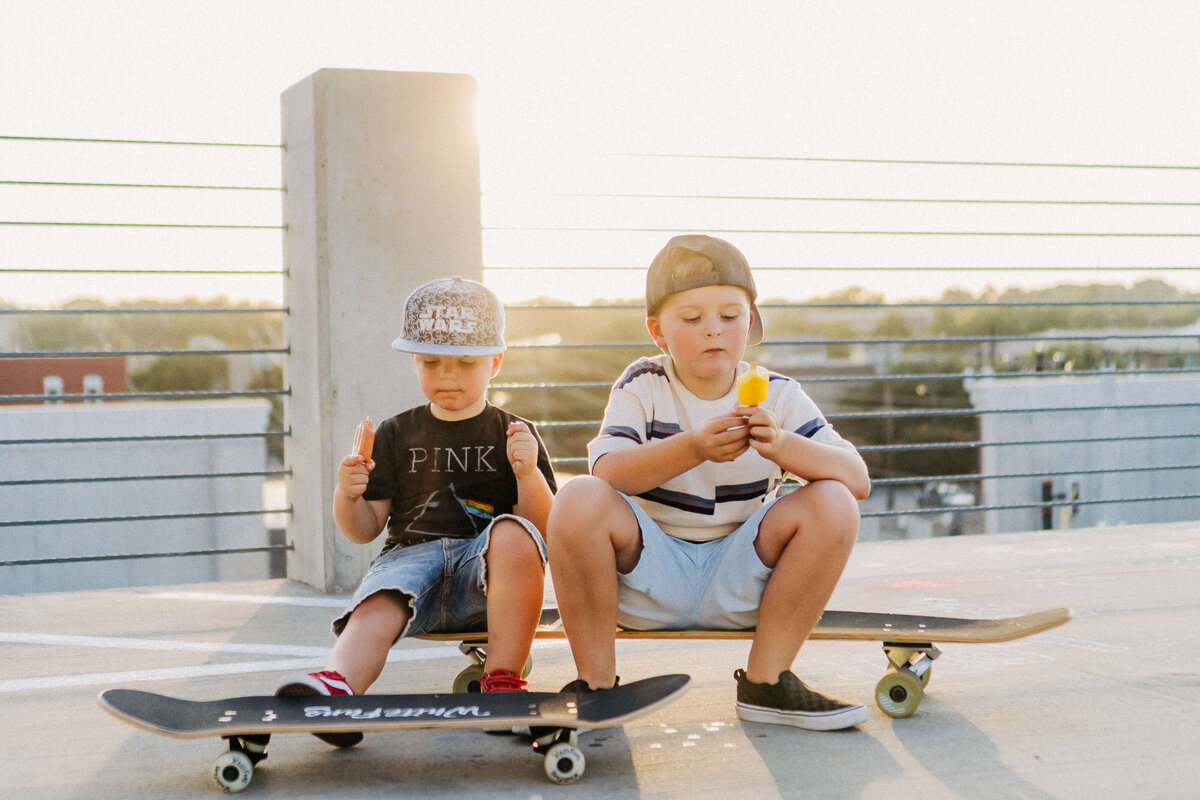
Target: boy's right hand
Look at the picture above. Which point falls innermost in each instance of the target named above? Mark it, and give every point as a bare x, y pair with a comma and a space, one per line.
721, 439
353, 473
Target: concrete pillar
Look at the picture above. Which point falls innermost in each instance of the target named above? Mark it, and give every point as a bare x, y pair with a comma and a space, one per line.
381, 180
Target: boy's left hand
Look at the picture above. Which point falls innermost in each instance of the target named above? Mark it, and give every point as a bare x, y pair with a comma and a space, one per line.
766, 437
522, 449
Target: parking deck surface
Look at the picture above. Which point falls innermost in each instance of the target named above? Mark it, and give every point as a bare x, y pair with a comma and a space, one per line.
1105, 706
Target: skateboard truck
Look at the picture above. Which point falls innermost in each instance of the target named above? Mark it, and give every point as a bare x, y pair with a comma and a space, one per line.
910, 666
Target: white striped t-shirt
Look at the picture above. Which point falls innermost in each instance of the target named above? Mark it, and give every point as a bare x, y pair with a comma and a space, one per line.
649, 402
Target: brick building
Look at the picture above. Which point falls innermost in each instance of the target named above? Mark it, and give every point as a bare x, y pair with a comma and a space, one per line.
38, 377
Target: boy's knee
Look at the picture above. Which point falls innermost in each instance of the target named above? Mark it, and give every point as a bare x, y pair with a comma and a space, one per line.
584, 496
510, 538
825, 511
836, 509
587, 510
836, 499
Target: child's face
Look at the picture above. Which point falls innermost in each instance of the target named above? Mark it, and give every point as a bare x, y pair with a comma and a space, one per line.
705, 331
456, 385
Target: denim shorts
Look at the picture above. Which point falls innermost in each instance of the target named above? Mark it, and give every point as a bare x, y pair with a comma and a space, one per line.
677, 584
445, 581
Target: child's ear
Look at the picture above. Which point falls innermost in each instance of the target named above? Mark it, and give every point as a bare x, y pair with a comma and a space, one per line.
655, 329
496, 361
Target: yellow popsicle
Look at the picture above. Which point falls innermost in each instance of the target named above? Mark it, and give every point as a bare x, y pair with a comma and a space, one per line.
752, 386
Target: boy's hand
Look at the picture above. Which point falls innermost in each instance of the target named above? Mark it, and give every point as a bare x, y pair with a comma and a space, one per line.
522, 449
353, 473
723, 438
766, 437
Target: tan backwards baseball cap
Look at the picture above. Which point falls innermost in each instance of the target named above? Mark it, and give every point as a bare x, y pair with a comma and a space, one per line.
726, 266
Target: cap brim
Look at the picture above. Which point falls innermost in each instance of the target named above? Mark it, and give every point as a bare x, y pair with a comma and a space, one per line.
756, 327
428, 349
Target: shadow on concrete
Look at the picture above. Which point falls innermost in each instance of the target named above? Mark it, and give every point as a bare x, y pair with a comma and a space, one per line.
961, 757
832, 764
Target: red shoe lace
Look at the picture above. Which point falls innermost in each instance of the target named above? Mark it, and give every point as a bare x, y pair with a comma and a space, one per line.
502, 680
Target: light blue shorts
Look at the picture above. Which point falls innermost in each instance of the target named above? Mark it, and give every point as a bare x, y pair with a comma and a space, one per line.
445, 581
679, 584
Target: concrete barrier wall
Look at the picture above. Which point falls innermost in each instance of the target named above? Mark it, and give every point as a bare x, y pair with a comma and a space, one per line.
1079, 449
131, 498
381, 179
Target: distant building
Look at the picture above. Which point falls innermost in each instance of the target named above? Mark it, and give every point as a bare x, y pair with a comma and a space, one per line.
37, 377
1151, 348
1120, 437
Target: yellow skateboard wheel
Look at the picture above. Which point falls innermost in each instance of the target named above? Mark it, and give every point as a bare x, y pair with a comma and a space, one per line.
898, 694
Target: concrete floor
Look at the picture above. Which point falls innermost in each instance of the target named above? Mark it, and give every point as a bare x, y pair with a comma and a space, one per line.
1103, 707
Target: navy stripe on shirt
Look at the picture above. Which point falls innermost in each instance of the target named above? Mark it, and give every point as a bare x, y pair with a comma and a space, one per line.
743, 491
638, 369
622, 432
680, 500
662, 430
735, 493
808, 429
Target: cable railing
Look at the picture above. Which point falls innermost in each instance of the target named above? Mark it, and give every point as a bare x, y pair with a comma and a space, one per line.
926, 406
142, 447
1079, 357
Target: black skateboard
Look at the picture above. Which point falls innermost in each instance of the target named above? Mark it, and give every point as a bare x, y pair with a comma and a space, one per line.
909, 643
247, 723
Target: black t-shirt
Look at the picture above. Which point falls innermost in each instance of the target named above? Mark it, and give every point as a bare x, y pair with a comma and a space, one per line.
446, 479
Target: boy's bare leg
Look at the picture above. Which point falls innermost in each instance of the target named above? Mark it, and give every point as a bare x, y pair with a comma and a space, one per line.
592, 534
516, 583
361, 651
806, 538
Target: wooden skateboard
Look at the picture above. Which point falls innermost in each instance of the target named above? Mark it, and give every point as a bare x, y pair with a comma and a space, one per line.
248, 723
909, 643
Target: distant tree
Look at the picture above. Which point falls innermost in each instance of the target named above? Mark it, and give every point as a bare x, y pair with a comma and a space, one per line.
182, 374
893, 326
270, 379
907, 395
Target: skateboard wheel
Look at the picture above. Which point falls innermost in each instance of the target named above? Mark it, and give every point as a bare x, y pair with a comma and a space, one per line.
564, 763
233, 771
468, 680
925, 676
898, 694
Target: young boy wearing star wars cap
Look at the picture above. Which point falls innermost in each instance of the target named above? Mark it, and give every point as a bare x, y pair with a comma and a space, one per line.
679, 524
463, 489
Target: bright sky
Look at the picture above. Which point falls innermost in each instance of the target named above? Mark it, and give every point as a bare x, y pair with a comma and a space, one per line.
568, 90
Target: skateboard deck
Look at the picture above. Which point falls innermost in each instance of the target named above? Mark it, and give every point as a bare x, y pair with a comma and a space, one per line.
248, 722
909, 643
869, 626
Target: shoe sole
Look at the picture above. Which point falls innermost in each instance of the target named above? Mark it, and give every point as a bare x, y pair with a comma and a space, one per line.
336, 739
838, 720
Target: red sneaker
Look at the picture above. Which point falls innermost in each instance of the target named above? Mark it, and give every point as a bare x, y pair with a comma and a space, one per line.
326, 683
502, 680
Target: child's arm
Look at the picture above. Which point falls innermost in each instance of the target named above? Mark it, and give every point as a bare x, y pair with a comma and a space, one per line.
534, 497
633, 470
806, 458
359, 520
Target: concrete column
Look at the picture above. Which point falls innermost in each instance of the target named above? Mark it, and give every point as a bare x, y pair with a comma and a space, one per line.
381, 180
